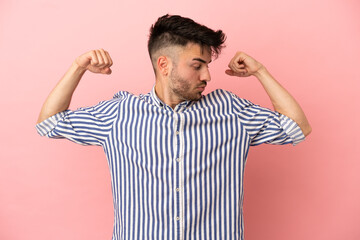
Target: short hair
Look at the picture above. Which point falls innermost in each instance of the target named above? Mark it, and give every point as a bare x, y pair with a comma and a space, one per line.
172, 30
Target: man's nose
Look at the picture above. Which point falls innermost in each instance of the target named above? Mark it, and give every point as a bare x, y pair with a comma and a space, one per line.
205, 75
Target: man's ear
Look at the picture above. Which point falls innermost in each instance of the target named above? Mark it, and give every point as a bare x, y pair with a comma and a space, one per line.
163, 65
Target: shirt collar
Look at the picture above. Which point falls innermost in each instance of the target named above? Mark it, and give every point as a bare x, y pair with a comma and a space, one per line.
155, 98
178, 108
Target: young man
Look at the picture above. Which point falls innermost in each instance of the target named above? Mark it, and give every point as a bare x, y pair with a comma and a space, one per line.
176, 157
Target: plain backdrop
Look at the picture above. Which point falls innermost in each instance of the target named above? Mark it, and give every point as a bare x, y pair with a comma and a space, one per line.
55, 189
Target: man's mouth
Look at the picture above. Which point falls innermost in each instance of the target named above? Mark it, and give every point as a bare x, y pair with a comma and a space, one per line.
201, 88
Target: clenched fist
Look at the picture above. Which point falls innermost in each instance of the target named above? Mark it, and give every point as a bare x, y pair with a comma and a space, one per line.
96, 61
242, 65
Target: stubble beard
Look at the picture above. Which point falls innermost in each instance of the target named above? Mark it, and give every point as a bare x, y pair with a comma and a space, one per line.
182, 88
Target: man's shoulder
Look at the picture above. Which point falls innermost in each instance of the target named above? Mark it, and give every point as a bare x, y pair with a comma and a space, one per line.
222, 94
125, 97
218, 98
219, 93
126, 94
122, 95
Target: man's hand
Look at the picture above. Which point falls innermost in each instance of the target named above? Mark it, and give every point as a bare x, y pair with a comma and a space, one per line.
242, 65
96, 61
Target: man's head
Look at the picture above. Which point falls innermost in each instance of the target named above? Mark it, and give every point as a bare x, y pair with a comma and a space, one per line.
180, 50
174, 31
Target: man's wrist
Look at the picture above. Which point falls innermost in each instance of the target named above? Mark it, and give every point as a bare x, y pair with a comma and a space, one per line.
261, 73
77, 68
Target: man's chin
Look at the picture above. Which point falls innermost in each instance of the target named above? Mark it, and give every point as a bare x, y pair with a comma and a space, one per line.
195, 97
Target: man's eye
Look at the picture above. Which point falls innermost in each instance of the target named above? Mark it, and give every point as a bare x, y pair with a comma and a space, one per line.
197, 67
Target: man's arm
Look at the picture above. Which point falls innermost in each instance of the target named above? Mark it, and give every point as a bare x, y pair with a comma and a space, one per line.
96, 61
242, 65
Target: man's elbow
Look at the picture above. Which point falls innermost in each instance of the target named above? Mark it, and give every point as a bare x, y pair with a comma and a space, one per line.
306, 130
40, 119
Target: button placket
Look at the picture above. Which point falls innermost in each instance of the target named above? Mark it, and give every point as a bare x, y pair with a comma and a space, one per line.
178, 121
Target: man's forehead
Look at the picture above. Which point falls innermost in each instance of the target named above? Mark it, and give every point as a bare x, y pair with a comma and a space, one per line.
196, 52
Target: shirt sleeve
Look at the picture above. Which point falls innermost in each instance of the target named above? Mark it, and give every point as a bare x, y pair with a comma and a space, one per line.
86, 126
266, 126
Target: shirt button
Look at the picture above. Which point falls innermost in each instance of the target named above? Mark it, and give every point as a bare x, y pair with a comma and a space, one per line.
177, 132
178, 159
177, 189
177, 218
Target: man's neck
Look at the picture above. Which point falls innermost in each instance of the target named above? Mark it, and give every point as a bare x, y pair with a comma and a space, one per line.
166, 96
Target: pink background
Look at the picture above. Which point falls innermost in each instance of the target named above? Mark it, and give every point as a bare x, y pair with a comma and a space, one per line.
54, 189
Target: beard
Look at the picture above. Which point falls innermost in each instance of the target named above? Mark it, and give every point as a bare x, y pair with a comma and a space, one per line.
183, 89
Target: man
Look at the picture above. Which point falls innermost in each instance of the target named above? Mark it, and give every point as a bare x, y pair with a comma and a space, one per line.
176, 157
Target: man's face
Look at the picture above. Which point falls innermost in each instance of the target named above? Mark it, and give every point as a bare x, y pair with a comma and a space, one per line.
190, 73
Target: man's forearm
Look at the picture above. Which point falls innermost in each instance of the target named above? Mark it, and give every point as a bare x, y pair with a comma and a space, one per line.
60, 97
282, 100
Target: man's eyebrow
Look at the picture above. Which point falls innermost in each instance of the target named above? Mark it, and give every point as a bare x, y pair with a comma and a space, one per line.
200, 60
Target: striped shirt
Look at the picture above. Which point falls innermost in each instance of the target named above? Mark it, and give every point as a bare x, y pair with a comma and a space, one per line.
175, 173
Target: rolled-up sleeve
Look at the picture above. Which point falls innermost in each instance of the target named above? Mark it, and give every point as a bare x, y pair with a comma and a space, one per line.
291, 129
86, 126
266, 126
45, 128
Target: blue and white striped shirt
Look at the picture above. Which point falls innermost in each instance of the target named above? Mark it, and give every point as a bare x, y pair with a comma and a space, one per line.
175, 173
